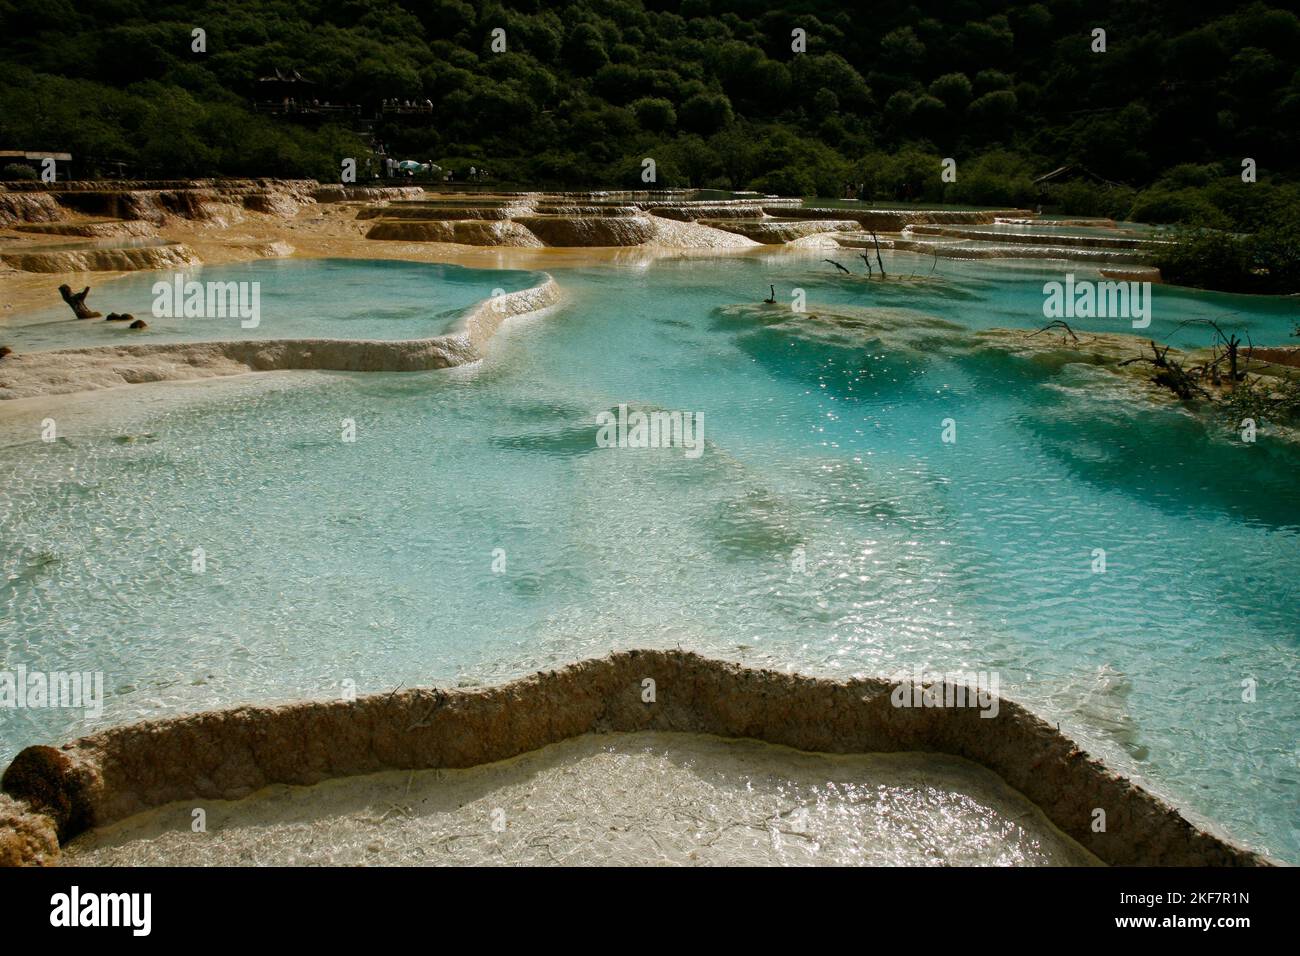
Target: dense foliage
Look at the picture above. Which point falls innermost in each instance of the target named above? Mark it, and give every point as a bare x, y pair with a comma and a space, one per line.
1266, 261
709, 88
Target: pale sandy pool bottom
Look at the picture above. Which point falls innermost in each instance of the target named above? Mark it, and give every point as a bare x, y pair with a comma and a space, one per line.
615, 799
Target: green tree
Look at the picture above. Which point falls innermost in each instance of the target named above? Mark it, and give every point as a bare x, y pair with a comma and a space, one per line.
705, 113
655, 114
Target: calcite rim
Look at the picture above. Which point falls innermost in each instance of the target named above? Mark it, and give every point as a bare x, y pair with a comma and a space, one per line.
229, 753
70, 370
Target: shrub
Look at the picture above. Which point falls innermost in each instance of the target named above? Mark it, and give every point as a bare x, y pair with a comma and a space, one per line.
788, 181
995, 179
705, 113
1264, 262
954, 89
18, 171
1091, 199
1206, 259
655, 114
1186, 206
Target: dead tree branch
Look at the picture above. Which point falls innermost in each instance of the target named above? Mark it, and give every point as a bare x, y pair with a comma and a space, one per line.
1057, 324
77, 302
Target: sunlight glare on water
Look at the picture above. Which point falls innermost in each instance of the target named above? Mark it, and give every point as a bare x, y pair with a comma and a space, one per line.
373, 561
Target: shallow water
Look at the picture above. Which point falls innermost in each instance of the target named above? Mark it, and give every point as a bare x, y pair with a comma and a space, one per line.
619, 799
329, 298
374, 561
1045, 227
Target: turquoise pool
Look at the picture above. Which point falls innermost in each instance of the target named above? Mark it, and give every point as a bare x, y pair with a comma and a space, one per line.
380, 561
327, 298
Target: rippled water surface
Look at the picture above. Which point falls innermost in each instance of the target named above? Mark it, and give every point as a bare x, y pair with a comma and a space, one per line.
474, 530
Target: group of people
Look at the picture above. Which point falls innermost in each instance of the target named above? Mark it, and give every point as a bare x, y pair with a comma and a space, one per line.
395, 103
475, 175
291, 104
392, 168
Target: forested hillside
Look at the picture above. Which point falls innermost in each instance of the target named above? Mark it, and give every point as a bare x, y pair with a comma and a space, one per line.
709, 88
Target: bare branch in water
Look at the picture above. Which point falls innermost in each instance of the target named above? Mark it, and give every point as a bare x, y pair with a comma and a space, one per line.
1058, 324
1170, 373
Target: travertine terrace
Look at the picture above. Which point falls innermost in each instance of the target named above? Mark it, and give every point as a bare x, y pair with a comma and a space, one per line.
60, 792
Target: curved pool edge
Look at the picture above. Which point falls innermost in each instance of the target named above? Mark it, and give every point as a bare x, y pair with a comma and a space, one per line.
57, 793
67, 371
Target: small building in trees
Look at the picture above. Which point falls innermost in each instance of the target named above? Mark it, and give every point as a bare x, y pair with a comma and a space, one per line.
1070, 173
285, 89
37, 160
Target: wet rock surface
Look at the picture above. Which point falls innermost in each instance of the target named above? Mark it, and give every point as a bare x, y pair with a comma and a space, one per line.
22, 207
470, 232
91, 259
632, 218
229, 754
573, 220
107, 229
773, 231
27, 837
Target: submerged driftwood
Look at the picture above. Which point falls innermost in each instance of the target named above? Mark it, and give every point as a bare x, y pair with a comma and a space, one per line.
77, 302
